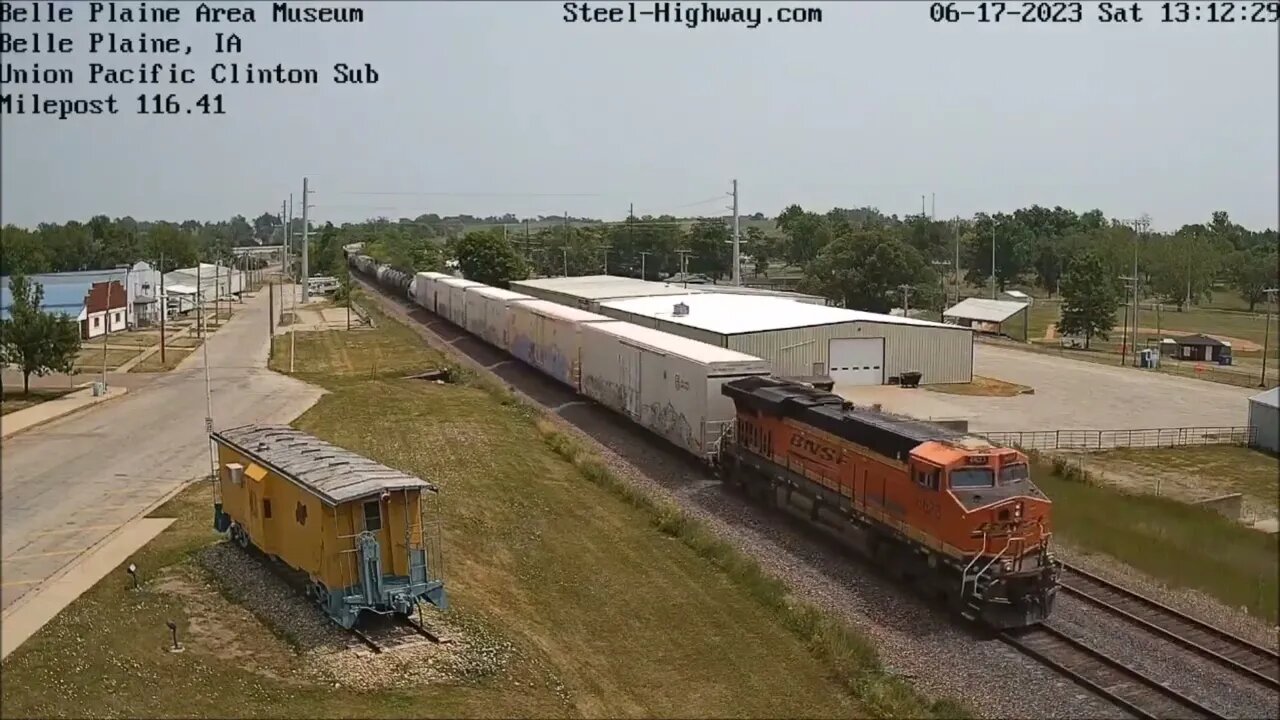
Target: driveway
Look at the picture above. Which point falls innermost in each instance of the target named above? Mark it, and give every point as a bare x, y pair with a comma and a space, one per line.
69, 484
1070, 394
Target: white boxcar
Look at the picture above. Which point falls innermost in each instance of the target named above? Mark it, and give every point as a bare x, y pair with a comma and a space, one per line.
424, 289
451, 300
547, 336
487, 314
666, 383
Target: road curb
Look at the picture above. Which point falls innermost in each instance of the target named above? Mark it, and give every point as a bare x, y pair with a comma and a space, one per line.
80, 559
5, 435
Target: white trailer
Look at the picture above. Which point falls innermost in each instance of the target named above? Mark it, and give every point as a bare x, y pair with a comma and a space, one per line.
424, 289
451, 300
666, 383
547, 336
488, 315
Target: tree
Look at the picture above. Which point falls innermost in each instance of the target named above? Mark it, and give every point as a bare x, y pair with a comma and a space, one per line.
1089, 298
487, 257
863, 269
1252, 272
37, 342
807, 234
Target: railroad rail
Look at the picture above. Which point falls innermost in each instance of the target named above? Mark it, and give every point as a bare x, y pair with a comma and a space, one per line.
1235, 653
391, 635
1125, 686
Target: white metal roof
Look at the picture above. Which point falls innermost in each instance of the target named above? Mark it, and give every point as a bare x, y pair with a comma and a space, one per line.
498, 293
1270, 398
736, 314
180, 289
564, 312
984, 309
1016, 293
459, 282
677, 345
600, 287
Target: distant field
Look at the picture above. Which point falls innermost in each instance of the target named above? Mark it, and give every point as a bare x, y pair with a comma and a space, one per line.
1179, 544
1194, 473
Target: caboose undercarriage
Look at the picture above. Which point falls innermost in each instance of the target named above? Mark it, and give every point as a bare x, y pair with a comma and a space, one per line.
979, 589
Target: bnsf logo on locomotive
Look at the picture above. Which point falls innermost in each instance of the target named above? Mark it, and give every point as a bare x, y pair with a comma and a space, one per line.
815, 449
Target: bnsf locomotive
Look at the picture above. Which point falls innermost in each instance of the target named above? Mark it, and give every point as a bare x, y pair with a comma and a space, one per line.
947, 510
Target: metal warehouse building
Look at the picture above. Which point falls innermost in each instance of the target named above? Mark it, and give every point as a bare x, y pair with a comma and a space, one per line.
1264, 418
850, 346
586, 292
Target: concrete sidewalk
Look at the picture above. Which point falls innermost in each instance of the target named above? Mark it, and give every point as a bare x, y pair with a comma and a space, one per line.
48, 411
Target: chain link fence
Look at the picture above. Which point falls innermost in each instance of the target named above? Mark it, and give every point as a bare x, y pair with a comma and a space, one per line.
1111, 439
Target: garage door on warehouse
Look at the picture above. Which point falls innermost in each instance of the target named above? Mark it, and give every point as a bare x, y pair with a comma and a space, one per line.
857, 361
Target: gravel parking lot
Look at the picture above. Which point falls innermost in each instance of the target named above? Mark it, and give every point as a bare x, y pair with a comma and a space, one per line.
1070, 394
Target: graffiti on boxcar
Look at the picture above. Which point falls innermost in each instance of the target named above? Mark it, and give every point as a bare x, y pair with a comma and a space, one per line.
610, 393
523, 348
671, 424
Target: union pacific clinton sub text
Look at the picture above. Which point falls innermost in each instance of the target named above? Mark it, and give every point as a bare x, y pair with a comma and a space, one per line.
689, 14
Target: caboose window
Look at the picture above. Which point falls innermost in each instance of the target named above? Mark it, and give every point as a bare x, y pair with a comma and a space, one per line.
373, 516
1012, 474
972, 478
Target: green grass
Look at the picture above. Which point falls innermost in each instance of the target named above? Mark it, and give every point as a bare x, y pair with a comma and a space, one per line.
14, 399
614, 606
1180, 544
1197, 472
91, 358
172, 356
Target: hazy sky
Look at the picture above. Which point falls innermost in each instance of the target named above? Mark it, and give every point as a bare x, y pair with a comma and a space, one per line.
490, 107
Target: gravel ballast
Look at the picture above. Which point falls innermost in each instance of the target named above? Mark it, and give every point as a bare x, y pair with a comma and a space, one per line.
915, 640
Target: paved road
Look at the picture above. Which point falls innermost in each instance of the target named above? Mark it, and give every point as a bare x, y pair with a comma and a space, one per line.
69, 484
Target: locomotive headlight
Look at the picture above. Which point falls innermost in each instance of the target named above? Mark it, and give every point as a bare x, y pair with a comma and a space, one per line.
1017, 511
1007, 565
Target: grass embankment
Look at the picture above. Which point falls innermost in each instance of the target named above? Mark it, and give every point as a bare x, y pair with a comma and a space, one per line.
1180, 544
92, 358
544, 549
152, 363
14, 399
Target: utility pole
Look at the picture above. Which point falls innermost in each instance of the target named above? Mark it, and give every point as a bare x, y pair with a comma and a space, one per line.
164, 309
922, 212
199, 299
993, 258
1268, 297
305, 240
684, 267
737, 239
528, 248
106, 333
564, 251
606, 249
1139, 227
933, 205
288, 243
643, 255
956, 232
906, 289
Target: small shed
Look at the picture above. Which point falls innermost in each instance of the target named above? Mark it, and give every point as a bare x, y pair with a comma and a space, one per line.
1016, 296
1264, 418
996, 317
1203, 348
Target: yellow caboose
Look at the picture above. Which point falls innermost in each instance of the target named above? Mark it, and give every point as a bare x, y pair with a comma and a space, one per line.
361, 532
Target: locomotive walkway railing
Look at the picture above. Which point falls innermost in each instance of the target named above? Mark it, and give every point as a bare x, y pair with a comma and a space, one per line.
1110, 439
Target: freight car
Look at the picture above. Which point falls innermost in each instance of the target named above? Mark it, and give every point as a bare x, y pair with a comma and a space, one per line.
363, 535
947, 510
950, 511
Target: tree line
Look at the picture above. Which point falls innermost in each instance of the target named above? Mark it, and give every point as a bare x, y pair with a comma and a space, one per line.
858, 257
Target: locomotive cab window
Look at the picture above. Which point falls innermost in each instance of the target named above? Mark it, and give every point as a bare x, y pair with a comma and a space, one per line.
1013, 474
373, 516
972, 478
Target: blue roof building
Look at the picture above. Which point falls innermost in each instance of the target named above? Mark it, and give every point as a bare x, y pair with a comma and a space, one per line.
61, 295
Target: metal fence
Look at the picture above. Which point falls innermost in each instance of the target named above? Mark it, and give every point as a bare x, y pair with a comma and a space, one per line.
1110, 439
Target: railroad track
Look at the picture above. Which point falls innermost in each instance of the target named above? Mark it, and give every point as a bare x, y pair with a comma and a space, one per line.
392, 633
1121, 684
1237, 654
